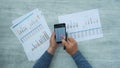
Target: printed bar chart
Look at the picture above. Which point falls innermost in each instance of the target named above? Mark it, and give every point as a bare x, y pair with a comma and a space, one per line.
38, 42
33, 32
83, 26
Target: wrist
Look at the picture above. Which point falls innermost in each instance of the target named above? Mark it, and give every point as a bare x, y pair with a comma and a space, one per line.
73, 52
51, 50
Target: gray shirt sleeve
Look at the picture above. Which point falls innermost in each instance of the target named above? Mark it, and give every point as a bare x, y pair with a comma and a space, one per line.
46, 58
44, 61
80, 60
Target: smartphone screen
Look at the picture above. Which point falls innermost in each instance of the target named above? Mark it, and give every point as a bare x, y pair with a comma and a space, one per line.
60, 30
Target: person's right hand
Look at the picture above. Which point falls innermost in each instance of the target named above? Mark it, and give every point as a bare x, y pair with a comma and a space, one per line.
70, 44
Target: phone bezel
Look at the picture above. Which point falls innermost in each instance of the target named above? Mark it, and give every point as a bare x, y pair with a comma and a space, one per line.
59, 26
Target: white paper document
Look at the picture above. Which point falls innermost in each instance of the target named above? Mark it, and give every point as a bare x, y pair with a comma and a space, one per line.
83, 25
33, 33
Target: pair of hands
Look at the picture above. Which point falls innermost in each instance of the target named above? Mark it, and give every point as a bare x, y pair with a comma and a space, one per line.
70, 44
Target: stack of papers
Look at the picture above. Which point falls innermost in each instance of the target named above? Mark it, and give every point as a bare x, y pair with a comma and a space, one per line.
33, 33
83, 25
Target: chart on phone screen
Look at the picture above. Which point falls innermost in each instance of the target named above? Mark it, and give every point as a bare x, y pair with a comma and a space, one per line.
83, 25
33, 33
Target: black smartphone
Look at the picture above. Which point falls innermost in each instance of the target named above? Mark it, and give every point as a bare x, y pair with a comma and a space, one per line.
60, 30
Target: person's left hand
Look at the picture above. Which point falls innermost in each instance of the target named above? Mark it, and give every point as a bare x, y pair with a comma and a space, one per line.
53, 45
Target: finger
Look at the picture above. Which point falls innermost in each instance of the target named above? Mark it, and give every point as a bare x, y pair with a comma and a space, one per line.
63, 37
69, 42
71, 39
64, 43
53, 35
52, 38
68, 39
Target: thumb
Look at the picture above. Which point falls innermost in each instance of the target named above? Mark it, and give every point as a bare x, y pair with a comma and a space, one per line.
64, 43
53, 33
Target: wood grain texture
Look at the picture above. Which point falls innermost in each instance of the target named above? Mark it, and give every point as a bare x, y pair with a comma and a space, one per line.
101, 53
